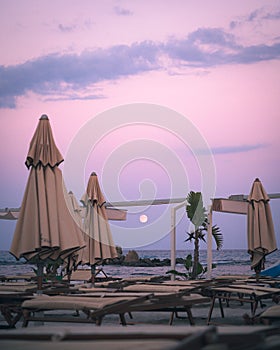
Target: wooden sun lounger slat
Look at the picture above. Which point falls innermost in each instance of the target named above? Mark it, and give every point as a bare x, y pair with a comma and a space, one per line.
246, 291
158, 302
257, 287
141, 338
90, 289
190, 283
25, 277
135, 344
18, 287
152, 288
115, 294
146, 331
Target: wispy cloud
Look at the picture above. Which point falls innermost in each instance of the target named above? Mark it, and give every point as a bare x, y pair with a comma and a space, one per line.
204, 47
75, 97
120, 11
230, 149
272, 16
61, 74
255, 16
237, 149
56, 73
67, 28
72, 26
210, 47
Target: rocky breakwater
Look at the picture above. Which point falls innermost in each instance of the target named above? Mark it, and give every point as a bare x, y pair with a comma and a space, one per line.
132, 259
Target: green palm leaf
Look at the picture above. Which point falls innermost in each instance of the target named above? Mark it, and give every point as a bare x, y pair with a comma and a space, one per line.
218, 237
198, 216
195, 210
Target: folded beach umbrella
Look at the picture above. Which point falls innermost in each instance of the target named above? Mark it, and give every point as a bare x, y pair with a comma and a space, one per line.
76, 211
45, 230
75, 208
99, 242
260, 229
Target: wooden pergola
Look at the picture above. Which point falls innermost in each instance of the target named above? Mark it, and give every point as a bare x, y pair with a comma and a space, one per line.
235, 204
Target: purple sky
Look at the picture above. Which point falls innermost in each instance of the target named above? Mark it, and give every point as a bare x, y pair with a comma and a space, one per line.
216, 64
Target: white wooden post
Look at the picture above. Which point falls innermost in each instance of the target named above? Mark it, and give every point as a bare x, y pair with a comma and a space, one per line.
209, 243
173, 237
173, 242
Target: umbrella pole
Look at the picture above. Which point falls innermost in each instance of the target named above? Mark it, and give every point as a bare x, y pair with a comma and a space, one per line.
257, 271
69, 277
93, 274
68, 272
40, 274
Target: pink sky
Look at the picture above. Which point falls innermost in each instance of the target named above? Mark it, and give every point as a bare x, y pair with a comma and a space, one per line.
214, 63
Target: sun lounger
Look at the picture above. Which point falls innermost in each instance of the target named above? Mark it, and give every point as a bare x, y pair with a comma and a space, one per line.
12, 294
242, 293
89, 288
94, 308
84, 275
21, 277
18, 287
135, 279
261, 280
142, 338
10, 306
168, 298
154, 288
30, 287
123, 282
101, 303
165, 297
171, 302
190, 283
270, 315
232, 277
79, 275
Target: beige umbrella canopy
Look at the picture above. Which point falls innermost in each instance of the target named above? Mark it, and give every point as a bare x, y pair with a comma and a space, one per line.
45, 229
99, 242
74, 208
76, 211
261, 235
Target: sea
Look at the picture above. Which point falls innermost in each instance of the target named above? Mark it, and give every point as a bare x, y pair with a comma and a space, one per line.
227, 261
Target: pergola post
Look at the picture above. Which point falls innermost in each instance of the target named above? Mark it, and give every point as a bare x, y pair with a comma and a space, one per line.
173, 237
209, 242
173, 242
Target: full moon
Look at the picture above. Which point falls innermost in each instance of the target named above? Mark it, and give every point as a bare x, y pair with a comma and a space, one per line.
143, 218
